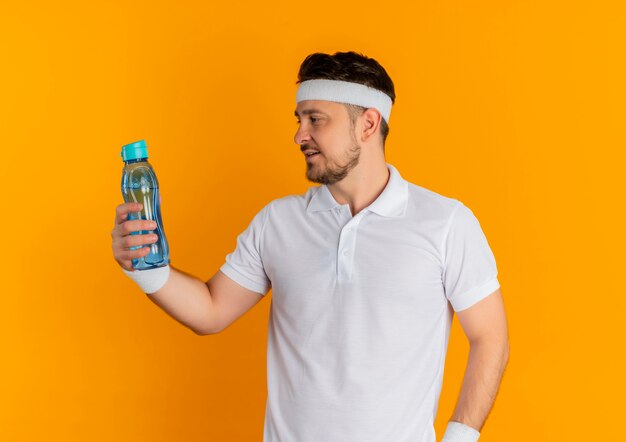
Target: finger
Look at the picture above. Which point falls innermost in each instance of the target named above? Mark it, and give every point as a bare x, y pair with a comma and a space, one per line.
122, 211
124, 243
128, 265
129, 255
125, 257
137, 240
135, 225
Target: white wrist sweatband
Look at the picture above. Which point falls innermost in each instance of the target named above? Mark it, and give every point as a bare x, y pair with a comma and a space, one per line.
458, 432
150, 280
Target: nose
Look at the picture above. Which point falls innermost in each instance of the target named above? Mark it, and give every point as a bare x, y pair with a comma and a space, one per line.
301, 135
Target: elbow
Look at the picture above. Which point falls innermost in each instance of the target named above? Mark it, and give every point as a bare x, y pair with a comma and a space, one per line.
207, 330
199, 332
202, 332
209, 325
505, 351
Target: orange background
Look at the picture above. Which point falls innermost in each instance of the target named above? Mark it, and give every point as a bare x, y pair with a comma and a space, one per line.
515, 108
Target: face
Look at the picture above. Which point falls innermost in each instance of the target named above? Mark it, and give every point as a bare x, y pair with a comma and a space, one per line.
324, 126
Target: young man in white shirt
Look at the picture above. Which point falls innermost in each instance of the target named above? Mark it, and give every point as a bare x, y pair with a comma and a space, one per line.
366, 272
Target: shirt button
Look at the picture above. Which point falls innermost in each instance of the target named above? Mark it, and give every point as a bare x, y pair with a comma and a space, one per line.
346, 252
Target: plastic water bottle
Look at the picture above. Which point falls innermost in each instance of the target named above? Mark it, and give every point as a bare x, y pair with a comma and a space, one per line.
140, 185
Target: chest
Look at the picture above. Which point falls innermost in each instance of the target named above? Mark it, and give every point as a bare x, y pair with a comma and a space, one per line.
375, 256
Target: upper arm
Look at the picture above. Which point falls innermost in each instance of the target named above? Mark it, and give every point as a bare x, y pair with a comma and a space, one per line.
485, 319
229, 301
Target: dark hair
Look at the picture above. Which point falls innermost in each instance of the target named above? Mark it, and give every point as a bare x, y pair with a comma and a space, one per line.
349, 66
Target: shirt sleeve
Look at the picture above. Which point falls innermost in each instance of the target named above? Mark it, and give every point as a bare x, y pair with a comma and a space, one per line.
470, 271
244, 265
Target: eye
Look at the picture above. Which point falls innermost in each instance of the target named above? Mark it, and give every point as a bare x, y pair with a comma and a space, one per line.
313, 120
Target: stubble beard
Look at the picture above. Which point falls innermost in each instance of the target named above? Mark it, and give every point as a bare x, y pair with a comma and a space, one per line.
334, 172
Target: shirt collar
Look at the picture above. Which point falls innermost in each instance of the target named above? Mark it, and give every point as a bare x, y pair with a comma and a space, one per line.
391, 202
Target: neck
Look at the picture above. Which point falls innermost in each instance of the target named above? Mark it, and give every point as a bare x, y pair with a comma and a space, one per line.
363, 184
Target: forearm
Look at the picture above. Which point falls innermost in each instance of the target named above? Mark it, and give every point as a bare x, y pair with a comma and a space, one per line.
485, 367
186, 299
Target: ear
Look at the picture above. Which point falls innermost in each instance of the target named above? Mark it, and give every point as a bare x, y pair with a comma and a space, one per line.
370, 121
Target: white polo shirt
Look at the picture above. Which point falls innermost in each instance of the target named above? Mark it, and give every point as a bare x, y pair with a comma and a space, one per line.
361, 308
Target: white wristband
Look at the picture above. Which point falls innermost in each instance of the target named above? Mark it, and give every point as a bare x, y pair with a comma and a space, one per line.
150, 280
458, 432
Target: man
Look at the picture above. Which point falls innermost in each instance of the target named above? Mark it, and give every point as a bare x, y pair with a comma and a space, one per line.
366, 272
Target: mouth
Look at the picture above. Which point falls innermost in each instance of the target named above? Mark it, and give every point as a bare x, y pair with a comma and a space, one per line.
310, 153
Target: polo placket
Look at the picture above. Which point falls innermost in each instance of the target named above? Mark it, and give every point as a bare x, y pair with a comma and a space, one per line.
347, 244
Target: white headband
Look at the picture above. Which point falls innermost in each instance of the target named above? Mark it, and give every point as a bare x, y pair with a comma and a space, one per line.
345, 92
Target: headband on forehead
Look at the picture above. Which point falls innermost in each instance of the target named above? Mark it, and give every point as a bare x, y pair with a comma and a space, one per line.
345, 92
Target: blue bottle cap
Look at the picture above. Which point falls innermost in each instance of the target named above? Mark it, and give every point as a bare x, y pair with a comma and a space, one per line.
135, 150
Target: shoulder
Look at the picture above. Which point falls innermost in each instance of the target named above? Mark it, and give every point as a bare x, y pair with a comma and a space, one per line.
291, 203
431, 204
446, 212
